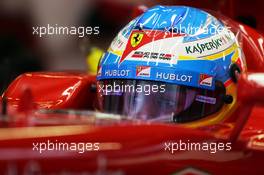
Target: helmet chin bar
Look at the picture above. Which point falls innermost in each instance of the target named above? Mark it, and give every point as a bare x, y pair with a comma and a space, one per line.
198, 110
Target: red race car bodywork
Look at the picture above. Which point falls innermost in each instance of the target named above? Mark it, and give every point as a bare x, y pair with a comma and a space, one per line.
48, 128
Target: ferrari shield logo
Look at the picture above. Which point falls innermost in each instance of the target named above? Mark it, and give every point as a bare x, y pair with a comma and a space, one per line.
136, 38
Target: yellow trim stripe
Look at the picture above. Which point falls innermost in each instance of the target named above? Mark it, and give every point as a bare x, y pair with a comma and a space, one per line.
116, 52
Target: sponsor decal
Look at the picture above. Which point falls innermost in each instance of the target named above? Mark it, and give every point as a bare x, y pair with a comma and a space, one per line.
209, 45
206, 80
152, 55
139, 39
174, 77
136, 38
205, 99
214, 44
118, 73
117, 43
143, 71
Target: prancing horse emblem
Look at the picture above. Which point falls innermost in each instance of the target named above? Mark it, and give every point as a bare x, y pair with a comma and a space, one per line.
136, 38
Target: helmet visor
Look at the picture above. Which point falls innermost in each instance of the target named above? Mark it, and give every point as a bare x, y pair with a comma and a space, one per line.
158, 101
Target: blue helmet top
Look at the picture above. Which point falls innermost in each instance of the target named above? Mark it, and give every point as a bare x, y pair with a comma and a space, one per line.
176, 44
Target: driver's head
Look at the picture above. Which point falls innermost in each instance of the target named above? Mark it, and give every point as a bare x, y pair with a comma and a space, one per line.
172, 63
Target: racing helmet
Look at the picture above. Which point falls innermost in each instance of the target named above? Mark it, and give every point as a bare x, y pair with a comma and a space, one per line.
171, 64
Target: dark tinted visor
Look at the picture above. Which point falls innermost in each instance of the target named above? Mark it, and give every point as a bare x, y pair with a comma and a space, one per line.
158, 101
